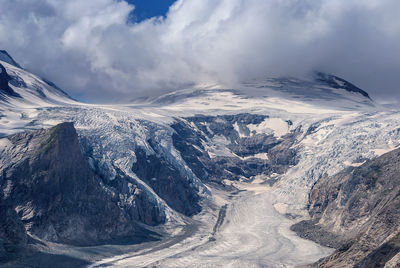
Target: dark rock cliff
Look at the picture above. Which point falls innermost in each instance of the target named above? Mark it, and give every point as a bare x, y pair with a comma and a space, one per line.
48, 191
5, 89
167, 181
358, 212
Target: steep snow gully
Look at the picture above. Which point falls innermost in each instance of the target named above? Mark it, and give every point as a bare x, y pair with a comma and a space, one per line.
226, 171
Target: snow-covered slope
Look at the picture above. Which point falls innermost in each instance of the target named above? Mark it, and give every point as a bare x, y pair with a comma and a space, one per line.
28, 90
21, 92
320, 93
270, 139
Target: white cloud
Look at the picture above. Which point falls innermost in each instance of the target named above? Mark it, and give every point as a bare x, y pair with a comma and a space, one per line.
88, 48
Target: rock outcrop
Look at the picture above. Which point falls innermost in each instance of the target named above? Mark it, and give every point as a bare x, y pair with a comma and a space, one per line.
337, 82
358, 212
167, 181
48, 192
5, 89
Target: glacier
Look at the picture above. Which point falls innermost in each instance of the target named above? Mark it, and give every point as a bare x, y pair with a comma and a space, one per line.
314, 126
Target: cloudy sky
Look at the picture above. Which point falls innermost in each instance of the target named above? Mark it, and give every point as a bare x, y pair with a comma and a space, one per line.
104, 49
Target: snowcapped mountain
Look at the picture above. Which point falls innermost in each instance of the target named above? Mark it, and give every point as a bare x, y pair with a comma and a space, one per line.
319, 92
220, 173
21, 92
20, 88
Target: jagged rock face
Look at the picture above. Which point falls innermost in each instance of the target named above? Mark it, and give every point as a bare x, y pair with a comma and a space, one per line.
167, 181
359, 208
56, 196
214, 149
134, 200
13, 236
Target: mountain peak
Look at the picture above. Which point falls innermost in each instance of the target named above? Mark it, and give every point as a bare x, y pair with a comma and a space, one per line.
20, 87
337, 82
4, 56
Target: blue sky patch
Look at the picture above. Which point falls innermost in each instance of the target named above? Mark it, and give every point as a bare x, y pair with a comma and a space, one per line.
145, 9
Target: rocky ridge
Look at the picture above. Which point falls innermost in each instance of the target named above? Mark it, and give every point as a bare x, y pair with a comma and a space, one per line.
357, 212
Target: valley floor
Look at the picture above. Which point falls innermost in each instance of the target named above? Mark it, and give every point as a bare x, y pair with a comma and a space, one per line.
252, 234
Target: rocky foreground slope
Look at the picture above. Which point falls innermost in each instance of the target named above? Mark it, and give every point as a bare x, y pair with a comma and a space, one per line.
49, 193
357, 212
